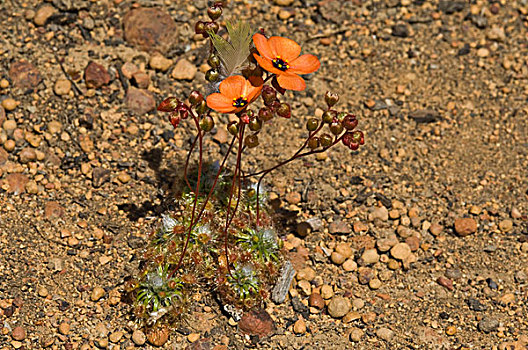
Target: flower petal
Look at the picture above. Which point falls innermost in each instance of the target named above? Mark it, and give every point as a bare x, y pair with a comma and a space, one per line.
304, 64
291, 82
233, 86
253, 93
286, 48
263, 46
220, 103
267, 65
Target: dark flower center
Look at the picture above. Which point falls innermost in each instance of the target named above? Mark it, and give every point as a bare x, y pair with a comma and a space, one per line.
240, 102
280, 64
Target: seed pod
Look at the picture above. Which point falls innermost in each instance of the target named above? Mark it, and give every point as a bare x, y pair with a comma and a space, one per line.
232, 128
326, 140
212, 75
211, 27
168, 105
199, 28
214, 12
251, 141
265, 114
313, 142
207, 123
255, 124
214, 61
269, 95
347, 139
174, 119
329, 116
201, 108
312, 124
284, 110
336, 128
358, 137
195, 97
350, 122
331, 98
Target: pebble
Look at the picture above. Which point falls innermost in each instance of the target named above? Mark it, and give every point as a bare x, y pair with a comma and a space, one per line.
370, 256
327, 292
62, 87
400, 251
283, 2
17, 183
64, 328
465, 226
116, 336
349, 265
97, 293
515, 213
307, 274
124, 177
506, 225
42, 14
356, 334
365, 274
380, 213
413, 242
27, 155
305, 286
384, 333
344, 249
339, 227
24, 75
184, 70
4, 83
129, 69
488, 324
483, 52
299, 327
18, 333
337, 258
385, 244
316, 300
293, 197
257, 322
375, 284
150, 29
139, 101
338, 306
445, 282
95, 75
9, 104
43, 292
138, 337
159, 62
158, 336
451, 330
141, 79
436, 229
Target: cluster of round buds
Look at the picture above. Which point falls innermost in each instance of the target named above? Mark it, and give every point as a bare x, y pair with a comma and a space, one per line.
353, 139
179, 110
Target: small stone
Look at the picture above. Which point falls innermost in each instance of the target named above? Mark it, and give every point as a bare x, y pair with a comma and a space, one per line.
370, 256
97, 293
445, 282
141, 79
385, 244
400, 31
375, 284
451, 330
506, 225
338, 306
116, 336
27, 155
9, 104
64, 328
360, 227
42, 14
515, 213
101, 343
507, 299
9, 125
114, 297
327, 292
365, 274
307, 274
283, 2
24, 75
62, 87
349, 265
43, 292
138, 337
17, 183
465, 226
299, 327
496, 34
488, 324
139, 101
400, 251
124, 177
4, 83
18, 333
436, 229
256, 322
337, 258
356, 334
351, 316
483, 52
129, 69
380, 213
54, 127
413, 242
150, 29
316, 300
95, 75
293, 197
159, 62
305, 286
384, 333
393, 264
100, 330
184, 70
9, 145
339, 227
158, 336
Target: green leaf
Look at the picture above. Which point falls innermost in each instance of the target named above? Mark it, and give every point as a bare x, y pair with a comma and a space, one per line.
233, 53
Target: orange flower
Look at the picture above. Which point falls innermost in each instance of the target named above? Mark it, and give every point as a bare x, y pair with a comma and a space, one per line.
281, 57
236, 92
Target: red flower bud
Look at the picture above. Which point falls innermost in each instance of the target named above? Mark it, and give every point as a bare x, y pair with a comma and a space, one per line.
169, 104
358, 137
269, 95
331, 98
284, 110
211, 27
265, 114
350, 122
199, 27
347, 139
174, 119
244, 118
195, 97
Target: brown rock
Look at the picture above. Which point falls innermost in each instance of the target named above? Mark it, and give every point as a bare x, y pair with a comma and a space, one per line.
365, 274
18, 333
43, 13
62, 87
338, 306
150, 29
465, 226
24, 75
27, 155
445, 282
299, 327
138, 337
95, 75
129, 69
159, 62
53, 210
436, 229
158, 336
293, 197
257, 322
64, 328
3, 156
413, 242
339, 227
2, 115
316, 300
139, 101
141, 79
17, 183
400, 251
184, 70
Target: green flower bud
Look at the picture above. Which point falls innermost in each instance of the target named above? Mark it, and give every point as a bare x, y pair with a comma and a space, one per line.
212, 75
255, 124
329, 116
214, 61
207, 123
331, 98
201, 108
312, 124
336, 128
232, 128
214, 12
313, 142
326, 140
251, 141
